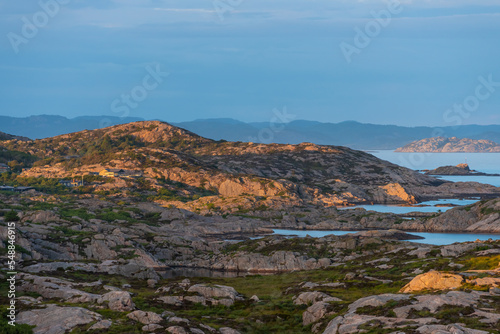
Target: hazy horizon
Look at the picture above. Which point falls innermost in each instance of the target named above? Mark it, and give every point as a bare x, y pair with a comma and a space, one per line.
232, 119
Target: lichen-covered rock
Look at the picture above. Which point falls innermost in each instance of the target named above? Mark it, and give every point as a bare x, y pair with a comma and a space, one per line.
145, 318
176, 330
355, 323
103, 324
333, 326
118, 301
216, 291
434, 302
228, 330
315, 312
172, 300
486, 281
151, 328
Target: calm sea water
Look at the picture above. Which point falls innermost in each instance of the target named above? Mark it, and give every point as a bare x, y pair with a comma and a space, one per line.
405, 209
430, 238
481, 162
493, 180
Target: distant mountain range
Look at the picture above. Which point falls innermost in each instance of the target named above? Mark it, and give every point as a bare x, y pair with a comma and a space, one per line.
351, 134
45, 126
451, 145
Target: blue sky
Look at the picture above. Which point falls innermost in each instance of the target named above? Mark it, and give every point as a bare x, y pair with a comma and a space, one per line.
254, 57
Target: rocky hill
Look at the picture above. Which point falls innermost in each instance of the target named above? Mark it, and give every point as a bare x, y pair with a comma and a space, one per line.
481, 217
451, 145
173, 158
460, 169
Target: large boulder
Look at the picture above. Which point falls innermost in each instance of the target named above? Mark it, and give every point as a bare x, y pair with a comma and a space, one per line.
433, 280
118, 301
57, 320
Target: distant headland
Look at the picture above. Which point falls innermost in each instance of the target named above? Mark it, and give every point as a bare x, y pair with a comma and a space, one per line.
451, 145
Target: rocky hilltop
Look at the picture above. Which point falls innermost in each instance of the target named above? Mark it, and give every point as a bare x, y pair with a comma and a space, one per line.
451, 145
189, 167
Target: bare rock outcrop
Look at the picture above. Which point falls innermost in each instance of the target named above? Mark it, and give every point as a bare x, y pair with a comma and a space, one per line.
279, 261
315, 312
448, 329
217, 291
375, 301
57, 320
481, 217
54, 288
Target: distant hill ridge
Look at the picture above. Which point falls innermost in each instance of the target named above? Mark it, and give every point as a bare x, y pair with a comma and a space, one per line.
351, 134
451, 145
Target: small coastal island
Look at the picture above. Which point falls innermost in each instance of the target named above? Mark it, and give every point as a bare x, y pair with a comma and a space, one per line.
460, 169
451, 145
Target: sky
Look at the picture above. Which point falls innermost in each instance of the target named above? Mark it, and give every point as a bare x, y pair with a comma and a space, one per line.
408, 62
